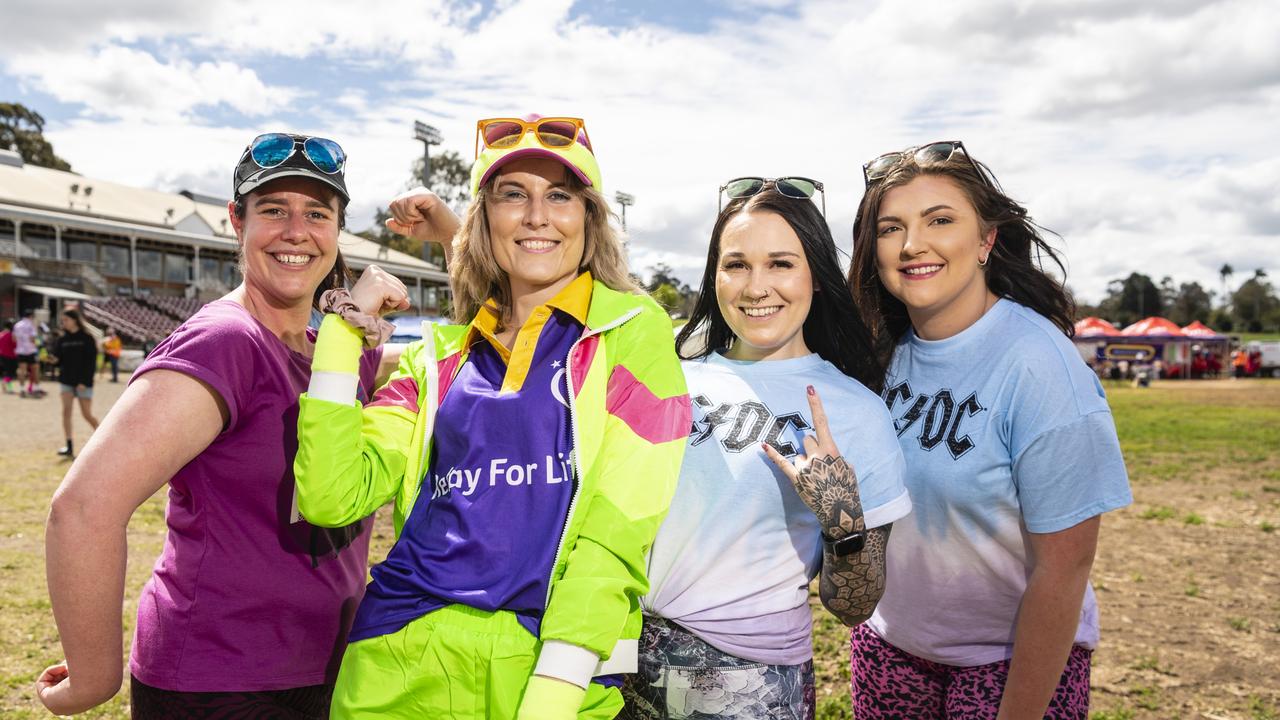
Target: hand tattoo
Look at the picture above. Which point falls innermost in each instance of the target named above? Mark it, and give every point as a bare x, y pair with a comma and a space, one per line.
830, 488
849, 586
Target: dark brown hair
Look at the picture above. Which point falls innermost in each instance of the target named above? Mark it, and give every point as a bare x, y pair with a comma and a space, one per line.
1015, 266
832, 329
74, 314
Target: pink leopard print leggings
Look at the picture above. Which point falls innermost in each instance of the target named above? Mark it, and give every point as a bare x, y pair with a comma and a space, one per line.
891, 684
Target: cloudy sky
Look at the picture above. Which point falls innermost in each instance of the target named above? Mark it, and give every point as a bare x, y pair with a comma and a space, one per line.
1143, 132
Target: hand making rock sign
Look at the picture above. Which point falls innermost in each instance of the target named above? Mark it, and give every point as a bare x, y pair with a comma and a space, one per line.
853, 575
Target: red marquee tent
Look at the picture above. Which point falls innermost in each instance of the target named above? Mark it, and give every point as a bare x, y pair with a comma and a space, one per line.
1153, 327
1092, 327
1198, 329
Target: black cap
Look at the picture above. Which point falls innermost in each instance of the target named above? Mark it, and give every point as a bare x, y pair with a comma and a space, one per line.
249, 176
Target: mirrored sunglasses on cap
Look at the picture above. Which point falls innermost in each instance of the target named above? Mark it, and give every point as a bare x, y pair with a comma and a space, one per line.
929, 154
800, 188
555, 133
273, 149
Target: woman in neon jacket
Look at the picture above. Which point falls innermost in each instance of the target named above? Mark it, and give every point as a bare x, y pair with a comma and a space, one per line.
532, 451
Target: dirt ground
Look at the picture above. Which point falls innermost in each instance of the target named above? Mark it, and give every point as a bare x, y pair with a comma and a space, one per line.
1188, 578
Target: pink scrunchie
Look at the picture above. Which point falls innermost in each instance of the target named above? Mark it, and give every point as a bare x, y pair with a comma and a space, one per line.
375, 330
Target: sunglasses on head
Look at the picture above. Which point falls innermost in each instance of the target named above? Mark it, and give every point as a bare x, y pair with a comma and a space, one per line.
930, 154
555, 133
800, 188
272, 149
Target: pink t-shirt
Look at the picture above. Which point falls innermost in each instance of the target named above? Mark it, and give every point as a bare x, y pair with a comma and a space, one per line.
241, 599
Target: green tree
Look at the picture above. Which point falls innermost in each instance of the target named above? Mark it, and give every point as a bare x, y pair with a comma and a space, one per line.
450, 179
1253, 303
1168, 292
1225, 272
1190, 303
1131, 299
668, 297
22, 130
662, 274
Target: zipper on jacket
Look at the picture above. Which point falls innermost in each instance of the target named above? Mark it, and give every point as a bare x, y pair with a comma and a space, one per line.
577, 456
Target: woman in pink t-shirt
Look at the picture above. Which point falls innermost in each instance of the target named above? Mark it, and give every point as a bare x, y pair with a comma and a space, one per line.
247, 610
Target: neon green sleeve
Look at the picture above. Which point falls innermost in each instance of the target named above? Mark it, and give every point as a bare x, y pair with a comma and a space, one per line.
547, 699
352, 460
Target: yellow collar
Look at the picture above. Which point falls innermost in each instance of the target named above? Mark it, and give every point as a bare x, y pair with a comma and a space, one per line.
574, 299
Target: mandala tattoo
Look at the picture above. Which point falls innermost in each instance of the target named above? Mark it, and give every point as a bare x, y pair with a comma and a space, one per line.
849, 586
829, 487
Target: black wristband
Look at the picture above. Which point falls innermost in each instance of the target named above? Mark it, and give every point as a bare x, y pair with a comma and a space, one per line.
847, 545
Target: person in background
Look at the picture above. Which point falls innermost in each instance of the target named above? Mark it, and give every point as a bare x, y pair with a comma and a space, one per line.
1011, 453
111, 349
248, 606
26, 337
76, 354
8, 358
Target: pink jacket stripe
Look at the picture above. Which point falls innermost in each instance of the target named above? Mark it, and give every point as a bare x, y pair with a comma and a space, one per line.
445, 370
655, 419
401, 392
580, 361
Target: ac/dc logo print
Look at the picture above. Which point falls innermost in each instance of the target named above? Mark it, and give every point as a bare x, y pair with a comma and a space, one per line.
938, 415
746, 425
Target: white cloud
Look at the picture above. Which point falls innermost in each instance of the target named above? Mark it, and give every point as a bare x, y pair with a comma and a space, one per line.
121, 82
1141, 133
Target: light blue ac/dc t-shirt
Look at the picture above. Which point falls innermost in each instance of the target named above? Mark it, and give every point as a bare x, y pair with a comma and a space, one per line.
1005, 431
734, 558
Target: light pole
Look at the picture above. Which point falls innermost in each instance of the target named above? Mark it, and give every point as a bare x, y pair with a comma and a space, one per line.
624, 199
429, 136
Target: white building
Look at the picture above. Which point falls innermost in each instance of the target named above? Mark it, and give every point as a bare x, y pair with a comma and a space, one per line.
64, 236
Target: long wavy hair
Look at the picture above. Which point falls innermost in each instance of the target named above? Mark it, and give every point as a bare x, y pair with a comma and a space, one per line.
833, 329
1015, 267
475, 276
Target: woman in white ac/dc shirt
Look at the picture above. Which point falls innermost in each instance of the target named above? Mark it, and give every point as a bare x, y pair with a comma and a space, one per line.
772, 490
1011, 453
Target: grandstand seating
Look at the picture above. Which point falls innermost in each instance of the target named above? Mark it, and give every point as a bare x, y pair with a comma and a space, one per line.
179, 308
139, 322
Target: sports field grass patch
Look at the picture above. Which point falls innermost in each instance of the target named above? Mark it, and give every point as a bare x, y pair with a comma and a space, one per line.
1190, 615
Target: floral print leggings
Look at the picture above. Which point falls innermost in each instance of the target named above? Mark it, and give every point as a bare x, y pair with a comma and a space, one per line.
681, 677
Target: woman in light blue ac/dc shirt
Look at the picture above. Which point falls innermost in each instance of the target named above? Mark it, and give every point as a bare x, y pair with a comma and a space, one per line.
773, 491
1011, 453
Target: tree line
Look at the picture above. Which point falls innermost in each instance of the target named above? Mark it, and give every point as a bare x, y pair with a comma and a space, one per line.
1252, 306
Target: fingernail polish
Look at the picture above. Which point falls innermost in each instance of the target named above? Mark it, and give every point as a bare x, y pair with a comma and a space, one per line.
810, 390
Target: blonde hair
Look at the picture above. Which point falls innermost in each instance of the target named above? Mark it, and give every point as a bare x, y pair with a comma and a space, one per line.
475, 276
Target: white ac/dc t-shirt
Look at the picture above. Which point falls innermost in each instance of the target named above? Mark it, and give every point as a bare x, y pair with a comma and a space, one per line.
733, 561
1005, 432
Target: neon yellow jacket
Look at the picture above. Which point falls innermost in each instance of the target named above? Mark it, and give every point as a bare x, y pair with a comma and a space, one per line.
630, 416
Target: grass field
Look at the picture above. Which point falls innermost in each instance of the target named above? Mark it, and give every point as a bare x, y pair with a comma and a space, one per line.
1187, 578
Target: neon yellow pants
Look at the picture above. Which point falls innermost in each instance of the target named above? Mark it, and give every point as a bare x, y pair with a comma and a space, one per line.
456, 662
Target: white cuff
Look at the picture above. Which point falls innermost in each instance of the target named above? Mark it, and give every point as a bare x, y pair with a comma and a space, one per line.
577, 665
567, 662
334, 387
625, 658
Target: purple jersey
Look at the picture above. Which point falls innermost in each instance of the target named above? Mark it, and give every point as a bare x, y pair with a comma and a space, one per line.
487, 525
242, 599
